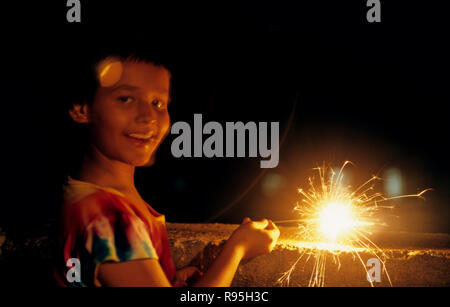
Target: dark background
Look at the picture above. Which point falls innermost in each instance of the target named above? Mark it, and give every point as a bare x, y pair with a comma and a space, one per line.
374, 94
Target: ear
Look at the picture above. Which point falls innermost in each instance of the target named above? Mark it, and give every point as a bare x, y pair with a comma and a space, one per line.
79, 113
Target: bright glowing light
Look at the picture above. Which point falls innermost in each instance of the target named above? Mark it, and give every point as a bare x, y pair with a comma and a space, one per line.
335, 218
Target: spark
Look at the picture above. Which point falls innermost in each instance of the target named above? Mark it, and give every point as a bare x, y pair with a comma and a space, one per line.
334, 218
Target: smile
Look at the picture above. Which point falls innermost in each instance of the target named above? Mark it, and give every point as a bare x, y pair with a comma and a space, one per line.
141, 139
142, 136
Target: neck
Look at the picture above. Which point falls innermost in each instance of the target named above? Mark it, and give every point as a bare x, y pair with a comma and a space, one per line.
100, 170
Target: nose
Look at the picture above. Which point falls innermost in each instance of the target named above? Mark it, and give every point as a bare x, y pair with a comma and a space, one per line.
146, 113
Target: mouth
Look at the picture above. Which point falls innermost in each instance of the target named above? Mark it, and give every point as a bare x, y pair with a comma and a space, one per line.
142, 138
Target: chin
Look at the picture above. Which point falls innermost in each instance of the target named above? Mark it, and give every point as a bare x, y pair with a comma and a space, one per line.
140, 162
143, 158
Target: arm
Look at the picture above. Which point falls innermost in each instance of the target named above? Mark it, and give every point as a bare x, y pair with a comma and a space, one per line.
134, 273
222, 271
148, 272
249, 240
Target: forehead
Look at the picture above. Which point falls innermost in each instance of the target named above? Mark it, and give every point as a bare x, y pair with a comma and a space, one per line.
141, 75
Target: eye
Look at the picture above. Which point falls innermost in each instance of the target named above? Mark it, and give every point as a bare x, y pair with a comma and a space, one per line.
159, 104
126, 99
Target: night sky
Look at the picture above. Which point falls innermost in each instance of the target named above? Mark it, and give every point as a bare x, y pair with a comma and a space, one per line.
372, 93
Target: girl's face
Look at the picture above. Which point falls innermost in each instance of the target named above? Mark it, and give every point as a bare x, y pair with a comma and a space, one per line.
128, 118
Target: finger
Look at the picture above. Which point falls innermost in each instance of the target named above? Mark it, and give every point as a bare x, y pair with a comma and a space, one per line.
261, 224
271, 225
196, 271
181, 284
246, 220
272, 245
275, 227
191, 270
274, 233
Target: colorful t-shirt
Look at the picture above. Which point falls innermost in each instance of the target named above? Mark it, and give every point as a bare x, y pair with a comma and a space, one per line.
100, 225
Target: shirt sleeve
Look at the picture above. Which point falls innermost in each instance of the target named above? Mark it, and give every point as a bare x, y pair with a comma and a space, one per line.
122, 237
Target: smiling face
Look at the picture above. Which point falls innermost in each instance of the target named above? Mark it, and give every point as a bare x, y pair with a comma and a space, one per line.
128, 118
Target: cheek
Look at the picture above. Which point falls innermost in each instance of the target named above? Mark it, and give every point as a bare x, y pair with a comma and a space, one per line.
165, 125
108, 125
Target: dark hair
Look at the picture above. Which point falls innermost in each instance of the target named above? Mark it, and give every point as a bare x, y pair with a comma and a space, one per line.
84, 81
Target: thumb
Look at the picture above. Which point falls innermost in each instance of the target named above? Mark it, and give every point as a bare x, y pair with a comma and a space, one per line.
246, 220
261, 224
271, 225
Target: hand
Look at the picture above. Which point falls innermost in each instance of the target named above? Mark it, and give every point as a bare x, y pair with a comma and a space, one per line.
187, 276
255, 237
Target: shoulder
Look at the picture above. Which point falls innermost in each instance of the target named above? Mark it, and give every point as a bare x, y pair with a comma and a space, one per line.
80, 209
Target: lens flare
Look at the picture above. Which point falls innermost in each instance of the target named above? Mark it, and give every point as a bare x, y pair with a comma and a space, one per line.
334, 218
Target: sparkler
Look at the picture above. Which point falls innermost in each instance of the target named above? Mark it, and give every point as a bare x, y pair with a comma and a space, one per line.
334, 218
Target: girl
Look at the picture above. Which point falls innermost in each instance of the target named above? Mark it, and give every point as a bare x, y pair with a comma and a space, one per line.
117, 238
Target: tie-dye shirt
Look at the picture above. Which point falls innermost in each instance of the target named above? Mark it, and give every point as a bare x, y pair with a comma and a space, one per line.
100, 225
